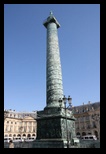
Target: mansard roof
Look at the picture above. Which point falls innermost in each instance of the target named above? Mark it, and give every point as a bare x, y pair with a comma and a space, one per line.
86, 107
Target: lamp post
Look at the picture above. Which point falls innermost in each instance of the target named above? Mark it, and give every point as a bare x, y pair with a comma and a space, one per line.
65, 107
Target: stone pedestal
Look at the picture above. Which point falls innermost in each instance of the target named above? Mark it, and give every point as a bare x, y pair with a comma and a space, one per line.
55, 128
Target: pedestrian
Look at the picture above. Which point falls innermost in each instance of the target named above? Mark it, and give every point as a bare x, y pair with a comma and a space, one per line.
11, 144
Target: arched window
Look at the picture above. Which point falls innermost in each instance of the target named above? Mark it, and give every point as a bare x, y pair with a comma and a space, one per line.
6, 135
78, 135
33, 135
14, 135
18, 135
96, 133
10, 135
24, 135
83, 133
29, 135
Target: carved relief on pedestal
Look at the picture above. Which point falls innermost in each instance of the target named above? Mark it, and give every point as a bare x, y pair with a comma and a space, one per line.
49, 129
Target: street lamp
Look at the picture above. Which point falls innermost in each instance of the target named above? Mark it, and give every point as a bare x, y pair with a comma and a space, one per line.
65, 107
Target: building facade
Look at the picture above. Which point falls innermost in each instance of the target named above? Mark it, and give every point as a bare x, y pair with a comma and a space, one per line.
20, 124
24, 124
87, 119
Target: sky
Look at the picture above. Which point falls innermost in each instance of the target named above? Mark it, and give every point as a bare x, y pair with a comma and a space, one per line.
25, 53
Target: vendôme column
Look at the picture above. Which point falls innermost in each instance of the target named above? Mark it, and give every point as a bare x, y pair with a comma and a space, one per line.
54, 86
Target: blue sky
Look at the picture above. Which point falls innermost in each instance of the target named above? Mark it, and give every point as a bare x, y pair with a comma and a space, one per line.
25, 53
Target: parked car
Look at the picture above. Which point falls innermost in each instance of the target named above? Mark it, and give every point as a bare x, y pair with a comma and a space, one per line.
75, 141
7, 139
17, 139
30, 139
89, 137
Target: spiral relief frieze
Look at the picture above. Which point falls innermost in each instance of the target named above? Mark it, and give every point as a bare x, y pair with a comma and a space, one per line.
54, 86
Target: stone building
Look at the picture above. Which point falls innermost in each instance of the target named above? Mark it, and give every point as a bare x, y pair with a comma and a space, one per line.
21, 124
87, 119
24, 123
